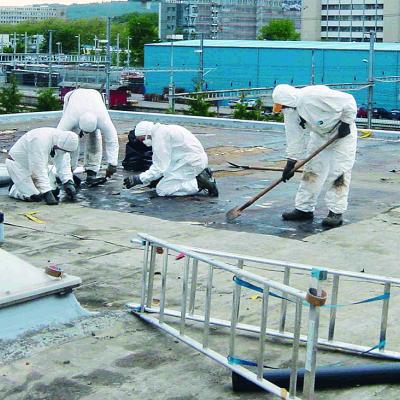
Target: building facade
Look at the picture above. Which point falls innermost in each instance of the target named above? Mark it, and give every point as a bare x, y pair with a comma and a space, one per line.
239, 64
350, 20
223, 19
15, 15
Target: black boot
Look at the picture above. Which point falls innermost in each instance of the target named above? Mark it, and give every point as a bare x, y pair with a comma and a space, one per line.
90, 176
297, 215
332, 220
205, 181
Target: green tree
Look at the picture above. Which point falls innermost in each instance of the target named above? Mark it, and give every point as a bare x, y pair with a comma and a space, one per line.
10, 98
199, 106
47, 101
279, 29
143, 28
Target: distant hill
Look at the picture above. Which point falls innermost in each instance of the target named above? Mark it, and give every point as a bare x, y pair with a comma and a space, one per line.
113, 9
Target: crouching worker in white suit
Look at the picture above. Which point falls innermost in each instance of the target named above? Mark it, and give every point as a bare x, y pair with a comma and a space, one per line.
179, 161
28, 165
322, 113
85, 111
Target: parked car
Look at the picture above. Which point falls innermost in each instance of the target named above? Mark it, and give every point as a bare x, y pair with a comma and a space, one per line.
250, 103
381, 113
362, 112
395, 114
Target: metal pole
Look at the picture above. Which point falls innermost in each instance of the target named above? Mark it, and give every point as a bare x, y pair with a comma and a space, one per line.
50, 54
118, 50
171, 87
15, 50
128, 61
26, 43
108, 62
312, 67
37, 46
79, 47
201, 61
371, 76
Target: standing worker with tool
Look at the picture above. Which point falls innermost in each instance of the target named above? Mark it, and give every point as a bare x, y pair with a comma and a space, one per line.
322, 112
84, 110
179, 161
28, 165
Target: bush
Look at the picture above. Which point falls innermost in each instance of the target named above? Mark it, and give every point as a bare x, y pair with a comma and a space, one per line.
47, 101
199, 107
10, 98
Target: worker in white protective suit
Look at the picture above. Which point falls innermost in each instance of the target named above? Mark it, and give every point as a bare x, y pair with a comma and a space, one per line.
179, 161
28, 163
84, 111
321, 112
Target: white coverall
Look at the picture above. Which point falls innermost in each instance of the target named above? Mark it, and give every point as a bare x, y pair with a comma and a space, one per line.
178, 157
322, 109
81, 101
29, 168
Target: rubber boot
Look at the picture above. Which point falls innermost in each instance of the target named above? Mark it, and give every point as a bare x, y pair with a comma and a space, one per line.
332, 220
205, 181
56, 193
297, 215
90, 176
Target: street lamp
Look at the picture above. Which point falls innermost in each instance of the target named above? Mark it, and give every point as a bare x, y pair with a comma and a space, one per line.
79, 45
59, 47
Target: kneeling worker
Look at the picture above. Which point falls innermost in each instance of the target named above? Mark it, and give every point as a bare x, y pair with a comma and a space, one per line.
321, 112
28, 165
179, 161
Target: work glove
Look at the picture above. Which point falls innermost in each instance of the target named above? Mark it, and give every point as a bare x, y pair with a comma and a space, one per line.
287, 171
344, 129
111, 170
70, 190
132, 181
49, 198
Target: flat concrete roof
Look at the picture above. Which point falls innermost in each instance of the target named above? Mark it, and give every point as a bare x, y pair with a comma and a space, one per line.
113, 354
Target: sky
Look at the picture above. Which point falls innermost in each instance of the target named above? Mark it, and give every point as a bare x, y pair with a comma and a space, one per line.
34, 2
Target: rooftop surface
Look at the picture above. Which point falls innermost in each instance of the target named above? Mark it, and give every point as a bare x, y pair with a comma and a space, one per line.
112, 354
277, 44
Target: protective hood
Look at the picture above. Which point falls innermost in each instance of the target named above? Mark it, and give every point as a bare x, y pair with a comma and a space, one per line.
67, 141
144, 128
88, 122
286, 95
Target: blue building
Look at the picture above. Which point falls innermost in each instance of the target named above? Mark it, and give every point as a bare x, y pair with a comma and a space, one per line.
234, 64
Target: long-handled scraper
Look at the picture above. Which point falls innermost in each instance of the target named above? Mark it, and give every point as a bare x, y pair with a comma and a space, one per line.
236, 211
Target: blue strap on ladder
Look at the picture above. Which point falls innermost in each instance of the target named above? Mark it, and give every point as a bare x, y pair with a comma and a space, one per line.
258, 289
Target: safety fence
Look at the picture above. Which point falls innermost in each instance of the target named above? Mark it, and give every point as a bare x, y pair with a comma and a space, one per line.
201, 273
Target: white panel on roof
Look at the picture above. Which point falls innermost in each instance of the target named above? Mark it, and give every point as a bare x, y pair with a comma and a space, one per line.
20, 281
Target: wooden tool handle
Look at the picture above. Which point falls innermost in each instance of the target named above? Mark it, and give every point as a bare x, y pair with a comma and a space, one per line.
296, 167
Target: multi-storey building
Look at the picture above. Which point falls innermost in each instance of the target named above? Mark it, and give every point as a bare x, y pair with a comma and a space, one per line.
223, 19
350, 20
15, 15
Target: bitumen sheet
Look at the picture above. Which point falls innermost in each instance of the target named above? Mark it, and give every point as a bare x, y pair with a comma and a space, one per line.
374, 186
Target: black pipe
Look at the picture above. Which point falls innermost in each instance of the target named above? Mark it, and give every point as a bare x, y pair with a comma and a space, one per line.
327, 377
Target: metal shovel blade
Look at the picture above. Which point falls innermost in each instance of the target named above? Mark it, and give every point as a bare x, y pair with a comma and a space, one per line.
232, 214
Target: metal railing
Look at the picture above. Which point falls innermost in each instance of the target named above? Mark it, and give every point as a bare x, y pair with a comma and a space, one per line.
195, 263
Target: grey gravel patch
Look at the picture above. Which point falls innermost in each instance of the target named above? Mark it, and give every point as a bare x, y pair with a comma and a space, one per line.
60, 389
33, 342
